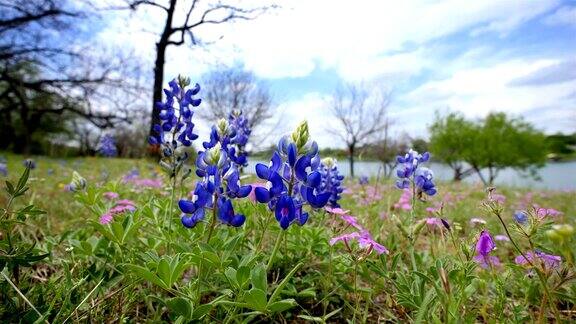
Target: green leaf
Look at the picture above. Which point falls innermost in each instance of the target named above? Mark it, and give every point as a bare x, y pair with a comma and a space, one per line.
23, 179
146, 275
164, 272
201, 311
180, 306
258, 277
231, 275
283, 283
9, 188
243, 276
256, 299
282, 305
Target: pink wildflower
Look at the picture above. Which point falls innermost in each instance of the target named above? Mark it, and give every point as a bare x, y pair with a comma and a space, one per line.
549, 261
352, 221
364, 240
477, 220
110, 195
404, 201
105, 219
336, 211
501, 237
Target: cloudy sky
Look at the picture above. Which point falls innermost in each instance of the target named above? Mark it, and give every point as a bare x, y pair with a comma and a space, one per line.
468, 56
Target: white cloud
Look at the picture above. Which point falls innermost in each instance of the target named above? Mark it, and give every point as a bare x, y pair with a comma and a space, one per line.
479, 91
350, 37
563, 16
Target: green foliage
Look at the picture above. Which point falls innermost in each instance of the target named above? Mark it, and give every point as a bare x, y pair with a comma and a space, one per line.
494, 143
140, 269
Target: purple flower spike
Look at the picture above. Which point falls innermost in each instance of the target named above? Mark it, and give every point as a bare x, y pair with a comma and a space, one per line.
485, 244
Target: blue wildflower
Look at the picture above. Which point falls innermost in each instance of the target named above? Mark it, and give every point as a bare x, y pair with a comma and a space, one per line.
29, 163
292, 179
3, 166
331, 181
3, 169
410, 173
240, 136
520, 217
220, 184
176, 129
363, 180
107, 146
232, 135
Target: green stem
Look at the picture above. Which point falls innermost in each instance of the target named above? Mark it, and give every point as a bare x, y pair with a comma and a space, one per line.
538, 272
169, 216
276, 247
213, 222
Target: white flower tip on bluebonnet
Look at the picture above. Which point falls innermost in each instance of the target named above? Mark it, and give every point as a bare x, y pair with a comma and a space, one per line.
329, 162
425, 172
222, 127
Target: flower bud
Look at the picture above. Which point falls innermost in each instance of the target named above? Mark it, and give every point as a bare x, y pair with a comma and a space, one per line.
213, 154
183, 82
565, 230
222, 127
301, 135
554, 235
78, 182
329, 162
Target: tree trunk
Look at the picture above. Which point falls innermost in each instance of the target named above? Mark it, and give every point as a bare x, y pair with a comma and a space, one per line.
481, 176
161, 46
351, 149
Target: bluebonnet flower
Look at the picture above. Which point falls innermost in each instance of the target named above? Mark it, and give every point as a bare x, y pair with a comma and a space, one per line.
3, 166
232, 136
239, 139
520, 217
331, 181
410, 172
363, 180
220, 184
107, 146
29, 163
78, 183
292, 179
176, 121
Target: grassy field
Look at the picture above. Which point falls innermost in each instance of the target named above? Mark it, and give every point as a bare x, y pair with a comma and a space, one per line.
144, 266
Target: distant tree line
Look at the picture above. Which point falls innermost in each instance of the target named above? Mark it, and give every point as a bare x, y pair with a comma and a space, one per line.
493, 143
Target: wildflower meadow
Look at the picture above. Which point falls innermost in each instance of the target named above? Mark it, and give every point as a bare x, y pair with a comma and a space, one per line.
213, 236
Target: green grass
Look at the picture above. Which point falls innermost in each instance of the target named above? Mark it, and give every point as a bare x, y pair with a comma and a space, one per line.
146, 267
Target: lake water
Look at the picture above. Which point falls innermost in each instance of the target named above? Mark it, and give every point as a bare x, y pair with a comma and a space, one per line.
555, 176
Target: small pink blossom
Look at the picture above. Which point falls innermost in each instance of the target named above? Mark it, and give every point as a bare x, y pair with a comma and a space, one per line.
404, 201
501, 237
543, 212
125, 202
434, 222
352, 221
110, 195
364, 240
498, 198
550, 261
336, 211
120, 207
106, 219
477, 220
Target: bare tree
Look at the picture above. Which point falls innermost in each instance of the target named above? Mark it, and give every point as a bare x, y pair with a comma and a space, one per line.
228, 89
178, 33
361, 113
45, 75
